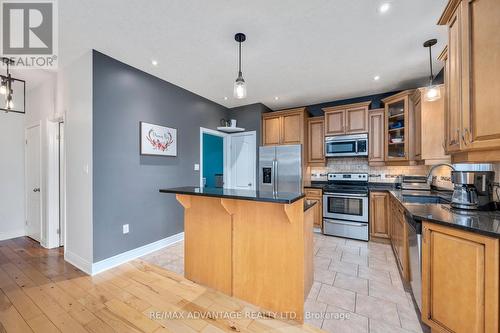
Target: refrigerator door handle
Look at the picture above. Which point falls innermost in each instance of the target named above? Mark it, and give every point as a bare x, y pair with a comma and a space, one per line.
275, 184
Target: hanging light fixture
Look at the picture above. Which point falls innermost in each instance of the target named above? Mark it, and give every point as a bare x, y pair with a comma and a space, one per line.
432, 92
7, 90
240, 87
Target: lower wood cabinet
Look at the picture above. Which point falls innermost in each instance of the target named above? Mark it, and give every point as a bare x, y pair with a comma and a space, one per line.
399, 237
460, 280
379, 215
314, 194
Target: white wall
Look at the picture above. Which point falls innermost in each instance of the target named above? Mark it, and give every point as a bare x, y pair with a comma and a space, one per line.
12, 201
75, 86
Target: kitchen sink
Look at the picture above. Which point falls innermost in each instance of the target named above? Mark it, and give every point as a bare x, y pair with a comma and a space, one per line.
424, 199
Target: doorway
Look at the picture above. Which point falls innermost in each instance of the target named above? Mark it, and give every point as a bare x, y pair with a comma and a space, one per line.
228, 160
33, 192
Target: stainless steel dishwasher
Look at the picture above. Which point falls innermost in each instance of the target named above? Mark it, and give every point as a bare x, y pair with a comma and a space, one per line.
415, 245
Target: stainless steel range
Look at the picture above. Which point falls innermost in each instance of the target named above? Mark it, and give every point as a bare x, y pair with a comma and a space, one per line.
345, 205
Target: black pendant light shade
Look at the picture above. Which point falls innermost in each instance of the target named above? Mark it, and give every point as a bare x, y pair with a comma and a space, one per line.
240, 87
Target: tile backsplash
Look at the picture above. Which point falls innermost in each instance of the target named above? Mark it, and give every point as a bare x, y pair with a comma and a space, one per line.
350, 164
386, 173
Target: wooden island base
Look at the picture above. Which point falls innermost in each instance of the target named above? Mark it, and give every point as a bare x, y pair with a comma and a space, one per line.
260, 252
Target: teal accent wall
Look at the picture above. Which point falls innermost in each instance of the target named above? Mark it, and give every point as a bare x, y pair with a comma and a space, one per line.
213, 157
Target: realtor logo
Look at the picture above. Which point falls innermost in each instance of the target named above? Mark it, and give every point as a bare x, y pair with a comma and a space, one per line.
28, 32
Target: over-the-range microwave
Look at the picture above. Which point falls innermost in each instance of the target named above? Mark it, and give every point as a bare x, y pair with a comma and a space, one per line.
346, 145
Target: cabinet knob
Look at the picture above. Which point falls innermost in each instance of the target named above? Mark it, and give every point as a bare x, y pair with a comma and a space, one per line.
36, 189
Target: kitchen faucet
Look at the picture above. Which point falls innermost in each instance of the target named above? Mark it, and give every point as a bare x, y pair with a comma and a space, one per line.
429, 175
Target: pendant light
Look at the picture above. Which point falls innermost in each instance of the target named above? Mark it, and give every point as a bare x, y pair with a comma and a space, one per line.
240, 87
6, 86
432, 92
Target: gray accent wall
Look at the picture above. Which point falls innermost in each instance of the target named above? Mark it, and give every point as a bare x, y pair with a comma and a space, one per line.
125, 184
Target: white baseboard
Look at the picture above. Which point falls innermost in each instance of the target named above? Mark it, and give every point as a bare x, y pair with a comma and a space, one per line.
78, 262
12, 234
122, 258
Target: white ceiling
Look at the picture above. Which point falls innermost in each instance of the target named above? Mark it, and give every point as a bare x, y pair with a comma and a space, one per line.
305, 52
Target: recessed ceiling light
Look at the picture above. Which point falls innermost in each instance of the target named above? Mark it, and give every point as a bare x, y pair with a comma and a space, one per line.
384, 7
276, 98
154, 62
225, 98
376, 78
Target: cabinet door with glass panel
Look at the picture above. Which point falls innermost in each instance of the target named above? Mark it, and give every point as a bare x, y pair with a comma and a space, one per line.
397, 127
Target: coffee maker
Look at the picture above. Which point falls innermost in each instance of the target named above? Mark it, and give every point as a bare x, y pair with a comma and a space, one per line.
473, 190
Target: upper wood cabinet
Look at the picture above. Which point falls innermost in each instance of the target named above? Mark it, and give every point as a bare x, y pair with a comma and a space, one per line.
429, 125
284, 127
460, 280
376, 136
472, 85
399, 128
379, 214
346, 119
316, 141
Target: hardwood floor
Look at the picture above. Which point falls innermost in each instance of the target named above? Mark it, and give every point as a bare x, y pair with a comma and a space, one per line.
40, 292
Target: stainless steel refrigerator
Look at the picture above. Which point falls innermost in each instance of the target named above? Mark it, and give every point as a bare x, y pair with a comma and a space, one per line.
280, 168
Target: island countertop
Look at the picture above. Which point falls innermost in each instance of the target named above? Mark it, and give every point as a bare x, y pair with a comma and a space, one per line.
279, 197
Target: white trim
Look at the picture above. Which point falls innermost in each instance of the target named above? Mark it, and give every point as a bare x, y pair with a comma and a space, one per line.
122, 258
52, 222
12, 234
78, 261
226, 168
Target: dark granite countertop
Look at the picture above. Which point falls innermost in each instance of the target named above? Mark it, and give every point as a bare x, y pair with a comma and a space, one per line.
280, 197
309, 204
482, 222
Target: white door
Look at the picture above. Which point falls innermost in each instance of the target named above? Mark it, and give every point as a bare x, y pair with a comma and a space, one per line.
242, 161
33, 182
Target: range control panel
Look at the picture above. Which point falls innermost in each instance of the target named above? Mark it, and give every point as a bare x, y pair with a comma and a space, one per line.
359, 177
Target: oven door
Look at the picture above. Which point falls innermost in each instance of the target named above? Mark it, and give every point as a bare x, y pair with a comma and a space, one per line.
351, 207
338, 148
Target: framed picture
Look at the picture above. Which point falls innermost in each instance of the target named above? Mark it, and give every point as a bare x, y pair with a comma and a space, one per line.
158, 140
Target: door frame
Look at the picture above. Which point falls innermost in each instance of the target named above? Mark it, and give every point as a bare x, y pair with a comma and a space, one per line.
26, 190
225, 169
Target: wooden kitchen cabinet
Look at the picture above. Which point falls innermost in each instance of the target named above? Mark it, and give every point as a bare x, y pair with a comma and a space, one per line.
376, 137
284, 127
460, 280
316, 141
271, 130
399, 237
429, 124
472, 85
346, 119
379, 215
399, 128
315, 194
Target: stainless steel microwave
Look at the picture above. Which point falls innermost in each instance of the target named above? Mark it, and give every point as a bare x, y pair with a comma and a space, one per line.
346, 145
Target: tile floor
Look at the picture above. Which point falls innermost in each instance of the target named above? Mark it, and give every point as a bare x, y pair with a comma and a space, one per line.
357, 286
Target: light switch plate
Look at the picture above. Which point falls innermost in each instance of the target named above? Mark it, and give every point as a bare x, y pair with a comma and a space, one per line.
196, 167
125, 229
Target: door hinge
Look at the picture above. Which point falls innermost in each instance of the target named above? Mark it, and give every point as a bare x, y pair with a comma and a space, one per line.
26, 141
58, 231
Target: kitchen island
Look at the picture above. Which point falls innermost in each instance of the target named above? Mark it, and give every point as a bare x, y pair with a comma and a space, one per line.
255, 246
